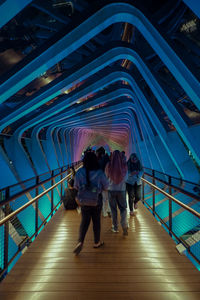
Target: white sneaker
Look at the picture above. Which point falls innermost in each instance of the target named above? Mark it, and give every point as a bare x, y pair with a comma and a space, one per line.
105, 215
114, 230
78, 210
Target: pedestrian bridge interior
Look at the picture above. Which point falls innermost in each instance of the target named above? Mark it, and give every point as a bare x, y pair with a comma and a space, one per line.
119, 74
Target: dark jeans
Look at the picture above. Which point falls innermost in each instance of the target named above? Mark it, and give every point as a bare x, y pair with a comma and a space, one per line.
88, 213
134, 194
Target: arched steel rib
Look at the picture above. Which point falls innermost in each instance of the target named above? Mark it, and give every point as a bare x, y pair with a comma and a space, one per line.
112, 13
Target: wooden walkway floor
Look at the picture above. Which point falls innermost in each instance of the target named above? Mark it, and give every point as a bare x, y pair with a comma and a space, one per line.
143, 265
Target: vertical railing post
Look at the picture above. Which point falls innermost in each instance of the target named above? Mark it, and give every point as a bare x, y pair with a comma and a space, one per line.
153, 192
170, 206
36, 206
143, 190
52, 205
61, 177
6, 230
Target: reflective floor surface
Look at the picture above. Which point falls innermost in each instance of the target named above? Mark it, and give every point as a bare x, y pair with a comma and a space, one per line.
143, 265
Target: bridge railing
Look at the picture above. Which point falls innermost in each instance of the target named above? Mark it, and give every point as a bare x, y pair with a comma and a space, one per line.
28, 206
24, 210
175, 208
183, 185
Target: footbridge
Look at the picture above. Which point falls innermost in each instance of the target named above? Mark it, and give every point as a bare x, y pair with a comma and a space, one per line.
83, 74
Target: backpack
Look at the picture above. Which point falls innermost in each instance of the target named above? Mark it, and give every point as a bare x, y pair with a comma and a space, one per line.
69, 199
88, 194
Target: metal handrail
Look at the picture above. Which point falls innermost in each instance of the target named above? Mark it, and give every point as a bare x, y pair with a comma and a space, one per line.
181, 179
174, 186
66, 166
29, 179
194, 212
11, 216
30, 188
22, 182
8, 217
169, 226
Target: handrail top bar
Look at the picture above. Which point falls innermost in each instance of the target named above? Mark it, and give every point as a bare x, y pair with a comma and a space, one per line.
69, 166
194, 212
48, 172
12, 198
175, 187
7, 218
180, 179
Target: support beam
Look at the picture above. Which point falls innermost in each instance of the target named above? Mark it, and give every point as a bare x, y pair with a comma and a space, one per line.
10, 8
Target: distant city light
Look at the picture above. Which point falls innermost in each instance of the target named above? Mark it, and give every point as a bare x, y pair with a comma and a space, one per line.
189, 26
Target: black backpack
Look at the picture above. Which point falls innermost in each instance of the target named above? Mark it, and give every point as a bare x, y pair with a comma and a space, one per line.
69, 199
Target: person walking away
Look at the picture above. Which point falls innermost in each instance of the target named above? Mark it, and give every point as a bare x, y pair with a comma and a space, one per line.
134, 182
89, 177
116, 171
123, 155
103, 159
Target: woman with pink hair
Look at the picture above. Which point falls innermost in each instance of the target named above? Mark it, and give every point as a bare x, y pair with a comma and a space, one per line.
116, 171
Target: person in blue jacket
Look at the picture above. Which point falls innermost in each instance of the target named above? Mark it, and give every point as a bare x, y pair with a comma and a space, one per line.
134, 182
90, 174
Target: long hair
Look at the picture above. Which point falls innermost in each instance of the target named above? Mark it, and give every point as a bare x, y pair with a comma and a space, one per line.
116, 169
90, 163
134, 166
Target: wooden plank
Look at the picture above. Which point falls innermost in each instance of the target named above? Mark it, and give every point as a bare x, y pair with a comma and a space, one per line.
104, 272
106, 278
104, 286
100, 295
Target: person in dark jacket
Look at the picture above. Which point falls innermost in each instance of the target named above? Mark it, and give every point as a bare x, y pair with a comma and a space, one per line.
134, 182
102, 157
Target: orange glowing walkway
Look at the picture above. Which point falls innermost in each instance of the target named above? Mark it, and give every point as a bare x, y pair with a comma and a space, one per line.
144, 265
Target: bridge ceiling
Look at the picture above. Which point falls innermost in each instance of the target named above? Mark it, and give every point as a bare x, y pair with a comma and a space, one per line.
105, 71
